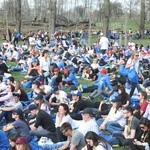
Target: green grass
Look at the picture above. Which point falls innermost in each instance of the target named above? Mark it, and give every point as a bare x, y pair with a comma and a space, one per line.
19, 76
119, 24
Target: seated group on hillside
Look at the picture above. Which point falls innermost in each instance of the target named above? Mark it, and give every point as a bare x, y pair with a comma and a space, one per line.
55, 113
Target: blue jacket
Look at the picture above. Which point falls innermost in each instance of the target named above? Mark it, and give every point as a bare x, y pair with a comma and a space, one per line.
98, 79
106, 81
71, 77
4, 142
60, 64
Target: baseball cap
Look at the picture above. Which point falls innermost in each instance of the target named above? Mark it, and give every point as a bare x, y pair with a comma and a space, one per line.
18, 112
21, 140
78, 93
56, 69
115, 99
88, 110
39, 97
55, 88
32, 107
103, 71
66, 71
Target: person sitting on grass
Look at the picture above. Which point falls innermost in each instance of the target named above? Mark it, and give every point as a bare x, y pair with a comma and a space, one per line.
132, 128
7, 111
18, 126
103, 83
143, 143
114, 122
95, 142
75, 139
79, 104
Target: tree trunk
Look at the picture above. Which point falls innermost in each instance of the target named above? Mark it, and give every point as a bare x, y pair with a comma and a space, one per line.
52, 16
142, 20
18, 15
130, 13
106, 17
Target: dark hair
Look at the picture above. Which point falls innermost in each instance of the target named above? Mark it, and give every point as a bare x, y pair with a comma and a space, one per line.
144, 94
129, 109
13, 138
145, 122
65, 126
12, 88
66, 108
1, 78
124, 97
96, 140
12, 79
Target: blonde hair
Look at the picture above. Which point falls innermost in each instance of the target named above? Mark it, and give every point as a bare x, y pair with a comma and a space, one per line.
134, 54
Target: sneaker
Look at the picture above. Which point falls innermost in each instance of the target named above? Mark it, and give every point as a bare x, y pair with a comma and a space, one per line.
80, 88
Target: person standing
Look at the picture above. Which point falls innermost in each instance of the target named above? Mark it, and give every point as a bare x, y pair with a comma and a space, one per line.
83, 38
133, 63
103, 43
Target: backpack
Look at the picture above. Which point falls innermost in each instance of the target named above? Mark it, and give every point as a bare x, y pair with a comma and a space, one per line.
132, 76
18, 35
123, 71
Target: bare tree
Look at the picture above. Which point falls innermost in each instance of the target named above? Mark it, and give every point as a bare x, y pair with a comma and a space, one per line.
18, 15
142, 18
106, 16
52, 15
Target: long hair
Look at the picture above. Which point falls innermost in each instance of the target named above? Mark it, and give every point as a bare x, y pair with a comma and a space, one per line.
96, 140
124, 95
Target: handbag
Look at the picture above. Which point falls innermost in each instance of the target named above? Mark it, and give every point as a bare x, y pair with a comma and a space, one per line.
132, 75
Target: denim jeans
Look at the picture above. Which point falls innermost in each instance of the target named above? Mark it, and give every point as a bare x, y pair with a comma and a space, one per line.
99, 121
114, 127
52, 146
90, 89
133, 86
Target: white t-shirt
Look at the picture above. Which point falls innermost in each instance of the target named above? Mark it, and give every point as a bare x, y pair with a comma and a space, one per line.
2, 86
101, 146
18, 105
136, 64
67, 118
117, 117
45, 65
86, 126
61, 96
104, 42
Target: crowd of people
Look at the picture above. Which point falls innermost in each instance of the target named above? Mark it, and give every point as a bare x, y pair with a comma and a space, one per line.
48, 108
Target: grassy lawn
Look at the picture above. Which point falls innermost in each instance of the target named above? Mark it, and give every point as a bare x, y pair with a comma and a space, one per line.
119, 24
19, 76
